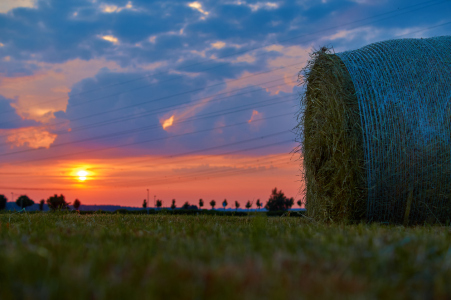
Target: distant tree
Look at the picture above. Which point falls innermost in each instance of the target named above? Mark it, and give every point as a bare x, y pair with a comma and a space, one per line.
259, 204
186, 205
173, 204
201, 203
290, 202
278, 201
212, 203
3, 201
159, 203
144, 203
57, 202
41, 205
237, 205
299, 203
77, 204
248, 205
224, 203
23, 201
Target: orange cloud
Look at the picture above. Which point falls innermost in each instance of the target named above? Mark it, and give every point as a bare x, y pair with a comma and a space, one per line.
168, 122
183, 113
33, 137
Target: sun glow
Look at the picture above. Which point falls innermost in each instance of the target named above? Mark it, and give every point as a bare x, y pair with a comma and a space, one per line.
82, 175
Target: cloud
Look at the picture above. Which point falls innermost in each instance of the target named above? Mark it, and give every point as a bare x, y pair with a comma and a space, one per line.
257, 5
112, 8
39, 88
168, 122
7, 5
136, 117
110, 38
33, 137
218, 45
198, 6
263, 5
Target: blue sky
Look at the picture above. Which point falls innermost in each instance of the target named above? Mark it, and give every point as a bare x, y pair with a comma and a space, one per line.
79, 76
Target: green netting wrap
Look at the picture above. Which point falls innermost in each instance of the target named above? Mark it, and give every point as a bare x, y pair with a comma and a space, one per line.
399, 170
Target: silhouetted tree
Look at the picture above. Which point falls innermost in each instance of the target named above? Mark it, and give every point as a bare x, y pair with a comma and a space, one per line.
57, 202
23, 201
77, 204
3, 201
248, 205
159, 203
224, 203
186, 205
237, 205
173, 204
290, 202
259, 204
278, 201
144, 203
201, 203
299, 203
41, 205
212, 203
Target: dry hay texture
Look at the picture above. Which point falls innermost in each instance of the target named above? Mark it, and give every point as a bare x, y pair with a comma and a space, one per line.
375, 132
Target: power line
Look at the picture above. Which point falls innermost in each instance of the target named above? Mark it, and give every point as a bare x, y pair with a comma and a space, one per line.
135, 130
409, 11
206, 174
151, 140
158, 111
425, 29
422, 4
223, 174
165, 97
191, 159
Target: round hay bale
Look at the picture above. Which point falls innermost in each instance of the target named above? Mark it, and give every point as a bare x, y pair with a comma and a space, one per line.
375, 132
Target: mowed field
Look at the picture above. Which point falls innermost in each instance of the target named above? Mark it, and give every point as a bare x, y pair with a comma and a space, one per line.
70, 256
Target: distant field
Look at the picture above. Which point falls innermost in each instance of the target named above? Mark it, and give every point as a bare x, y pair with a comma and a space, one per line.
69, 256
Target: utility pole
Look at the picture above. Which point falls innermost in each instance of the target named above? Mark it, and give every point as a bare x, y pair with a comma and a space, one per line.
12, 197
154, 201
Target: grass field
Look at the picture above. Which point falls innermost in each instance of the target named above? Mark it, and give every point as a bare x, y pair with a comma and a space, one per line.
70, 256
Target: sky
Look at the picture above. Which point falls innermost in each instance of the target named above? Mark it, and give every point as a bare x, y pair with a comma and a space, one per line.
112, 101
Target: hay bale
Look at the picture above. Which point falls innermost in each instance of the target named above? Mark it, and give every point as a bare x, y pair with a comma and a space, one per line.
375, 132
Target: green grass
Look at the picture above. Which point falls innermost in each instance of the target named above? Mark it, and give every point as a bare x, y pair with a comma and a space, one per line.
69, 256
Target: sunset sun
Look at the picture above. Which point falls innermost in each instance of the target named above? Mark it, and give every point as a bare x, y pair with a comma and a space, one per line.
82, 175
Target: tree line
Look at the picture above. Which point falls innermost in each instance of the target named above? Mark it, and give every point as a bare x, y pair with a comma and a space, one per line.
276, 202
54, 202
